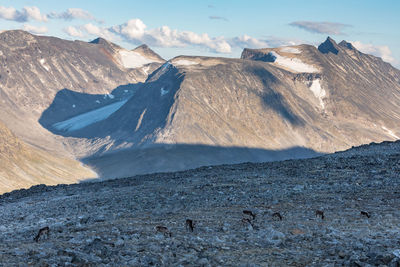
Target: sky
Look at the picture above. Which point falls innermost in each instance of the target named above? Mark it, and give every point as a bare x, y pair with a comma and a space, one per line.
213, 27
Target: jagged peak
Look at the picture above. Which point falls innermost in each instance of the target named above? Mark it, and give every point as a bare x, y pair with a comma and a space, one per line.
99, 40
329, 46
143, 46
347, 45
105, 43
145, 50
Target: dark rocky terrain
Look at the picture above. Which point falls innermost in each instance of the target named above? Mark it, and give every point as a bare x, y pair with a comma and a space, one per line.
115, 222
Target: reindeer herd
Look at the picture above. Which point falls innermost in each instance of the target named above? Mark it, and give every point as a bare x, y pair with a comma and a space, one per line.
248, 219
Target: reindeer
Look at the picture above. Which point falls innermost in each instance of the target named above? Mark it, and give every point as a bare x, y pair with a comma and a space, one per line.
45, 231
277, 215
189, 225
249, 213
320, 213
366, 214
164, 230
246, 221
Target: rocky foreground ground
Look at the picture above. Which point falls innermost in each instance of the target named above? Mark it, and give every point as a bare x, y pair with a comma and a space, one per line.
141, 221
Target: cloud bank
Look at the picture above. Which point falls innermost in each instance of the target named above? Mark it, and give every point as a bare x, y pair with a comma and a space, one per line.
23, 15
72, 13
33, 14
35, 29
333, 28
382, 51
136, 32
74, 32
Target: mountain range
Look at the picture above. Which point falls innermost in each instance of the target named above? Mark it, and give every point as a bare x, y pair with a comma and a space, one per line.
96, 107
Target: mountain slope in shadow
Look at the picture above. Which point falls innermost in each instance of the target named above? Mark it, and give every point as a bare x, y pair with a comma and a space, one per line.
177, 157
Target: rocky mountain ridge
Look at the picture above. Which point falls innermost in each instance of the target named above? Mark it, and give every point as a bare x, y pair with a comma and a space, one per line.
325, 100
36, 69
125, 112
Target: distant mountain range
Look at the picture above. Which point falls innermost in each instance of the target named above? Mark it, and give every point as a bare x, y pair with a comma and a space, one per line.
124, 112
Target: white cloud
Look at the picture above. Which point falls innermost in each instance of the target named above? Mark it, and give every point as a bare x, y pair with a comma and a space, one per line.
24, 15
218, 18
35, 29
246, 41
321, 27
34, 13
73, 31
99, 32
135, 31
72, 13
382, 51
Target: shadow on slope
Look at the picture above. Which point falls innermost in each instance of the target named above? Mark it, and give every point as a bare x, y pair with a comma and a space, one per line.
272, 99
169, 158
68, 103
136, 117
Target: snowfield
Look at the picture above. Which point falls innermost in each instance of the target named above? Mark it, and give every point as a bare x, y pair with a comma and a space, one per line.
390, 132
85, 119
184, 62
293, 64
131, 59
42, 61
288, 49
163, 91
318, 91
111, 96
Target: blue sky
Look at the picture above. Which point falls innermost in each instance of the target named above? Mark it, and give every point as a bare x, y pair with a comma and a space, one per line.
215, 27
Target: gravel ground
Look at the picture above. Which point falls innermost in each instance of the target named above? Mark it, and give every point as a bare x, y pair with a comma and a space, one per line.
142, 220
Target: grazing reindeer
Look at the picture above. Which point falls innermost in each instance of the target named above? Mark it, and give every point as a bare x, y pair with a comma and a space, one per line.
164, 230
45, 231
249, 213
320, 213
364, 213
189, 225
247, 221
277, 215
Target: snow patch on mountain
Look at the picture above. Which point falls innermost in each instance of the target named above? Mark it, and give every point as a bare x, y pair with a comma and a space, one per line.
289, 49
110, 96
163, 91
131, 59
85, 119
185, 62
42, 62
390, 132
318, 91
146, 70
293, 64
